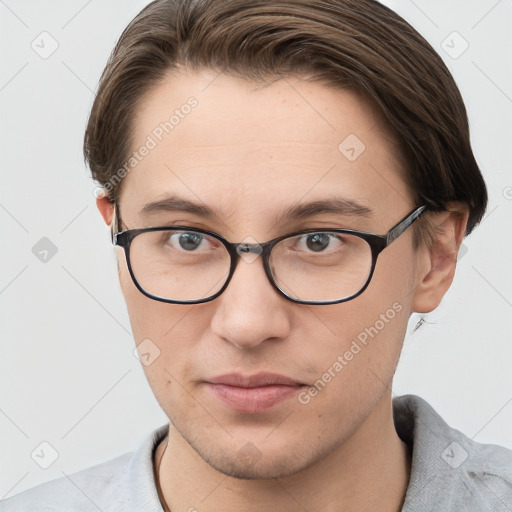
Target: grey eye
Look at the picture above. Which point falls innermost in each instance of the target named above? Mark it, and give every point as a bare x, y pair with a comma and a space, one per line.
186, 241
318, 242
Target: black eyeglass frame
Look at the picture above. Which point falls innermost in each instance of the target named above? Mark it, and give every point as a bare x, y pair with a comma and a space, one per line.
376, 242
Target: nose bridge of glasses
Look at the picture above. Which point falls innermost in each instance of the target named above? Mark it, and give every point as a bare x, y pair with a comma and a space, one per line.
249, 252
248, 248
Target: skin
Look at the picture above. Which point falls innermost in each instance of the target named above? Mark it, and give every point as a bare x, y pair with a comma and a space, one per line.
250, 152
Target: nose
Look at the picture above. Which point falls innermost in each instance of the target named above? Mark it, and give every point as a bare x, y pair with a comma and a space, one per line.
250, 310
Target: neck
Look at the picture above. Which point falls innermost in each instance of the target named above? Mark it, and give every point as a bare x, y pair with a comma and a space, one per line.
370, 471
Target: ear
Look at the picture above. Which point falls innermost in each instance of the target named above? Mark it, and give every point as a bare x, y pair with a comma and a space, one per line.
106, 208
436, 264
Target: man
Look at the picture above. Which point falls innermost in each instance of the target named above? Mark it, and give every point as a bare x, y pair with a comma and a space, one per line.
284, 180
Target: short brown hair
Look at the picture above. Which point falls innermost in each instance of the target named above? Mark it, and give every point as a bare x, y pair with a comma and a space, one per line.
359, 44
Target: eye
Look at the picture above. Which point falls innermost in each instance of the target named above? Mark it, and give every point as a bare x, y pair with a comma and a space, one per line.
188, 241
319, 242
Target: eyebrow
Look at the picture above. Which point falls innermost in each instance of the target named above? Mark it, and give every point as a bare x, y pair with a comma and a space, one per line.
178, 204
336, 205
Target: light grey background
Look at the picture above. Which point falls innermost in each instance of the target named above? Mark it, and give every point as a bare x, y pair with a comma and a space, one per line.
68, 375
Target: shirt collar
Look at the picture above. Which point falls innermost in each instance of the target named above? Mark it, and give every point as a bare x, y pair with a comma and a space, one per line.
448, 472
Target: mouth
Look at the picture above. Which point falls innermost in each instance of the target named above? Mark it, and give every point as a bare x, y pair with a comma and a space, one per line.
253, 393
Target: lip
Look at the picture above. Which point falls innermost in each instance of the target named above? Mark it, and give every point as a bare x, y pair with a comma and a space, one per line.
254, 381
252, 393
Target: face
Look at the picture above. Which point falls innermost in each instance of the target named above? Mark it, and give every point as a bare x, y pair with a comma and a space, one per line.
249, 153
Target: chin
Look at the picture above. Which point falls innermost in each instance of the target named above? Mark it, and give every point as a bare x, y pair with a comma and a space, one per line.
251, 462
265, 468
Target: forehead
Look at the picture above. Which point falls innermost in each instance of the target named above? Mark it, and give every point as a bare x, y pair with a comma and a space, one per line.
247, 148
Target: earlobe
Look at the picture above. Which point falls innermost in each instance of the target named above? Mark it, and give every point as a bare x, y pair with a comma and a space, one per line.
106, 209
436, 265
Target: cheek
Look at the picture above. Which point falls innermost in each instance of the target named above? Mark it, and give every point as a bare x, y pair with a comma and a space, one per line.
169, 326
385, 308
149, 319
354, 368
355, 362
395, 271
164, 336
365, 339
167, 336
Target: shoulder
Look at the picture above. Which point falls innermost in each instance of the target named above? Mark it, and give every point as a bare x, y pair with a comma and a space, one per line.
112, 486
78, 492
450, 470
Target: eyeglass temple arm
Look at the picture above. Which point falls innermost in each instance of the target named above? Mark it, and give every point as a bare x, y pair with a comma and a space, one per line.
114, 226
397, 230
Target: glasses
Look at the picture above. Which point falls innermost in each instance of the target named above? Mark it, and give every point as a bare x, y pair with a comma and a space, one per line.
185, 265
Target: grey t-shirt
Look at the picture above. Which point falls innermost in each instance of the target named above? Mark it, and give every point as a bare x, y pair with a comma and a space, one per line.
450, 472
